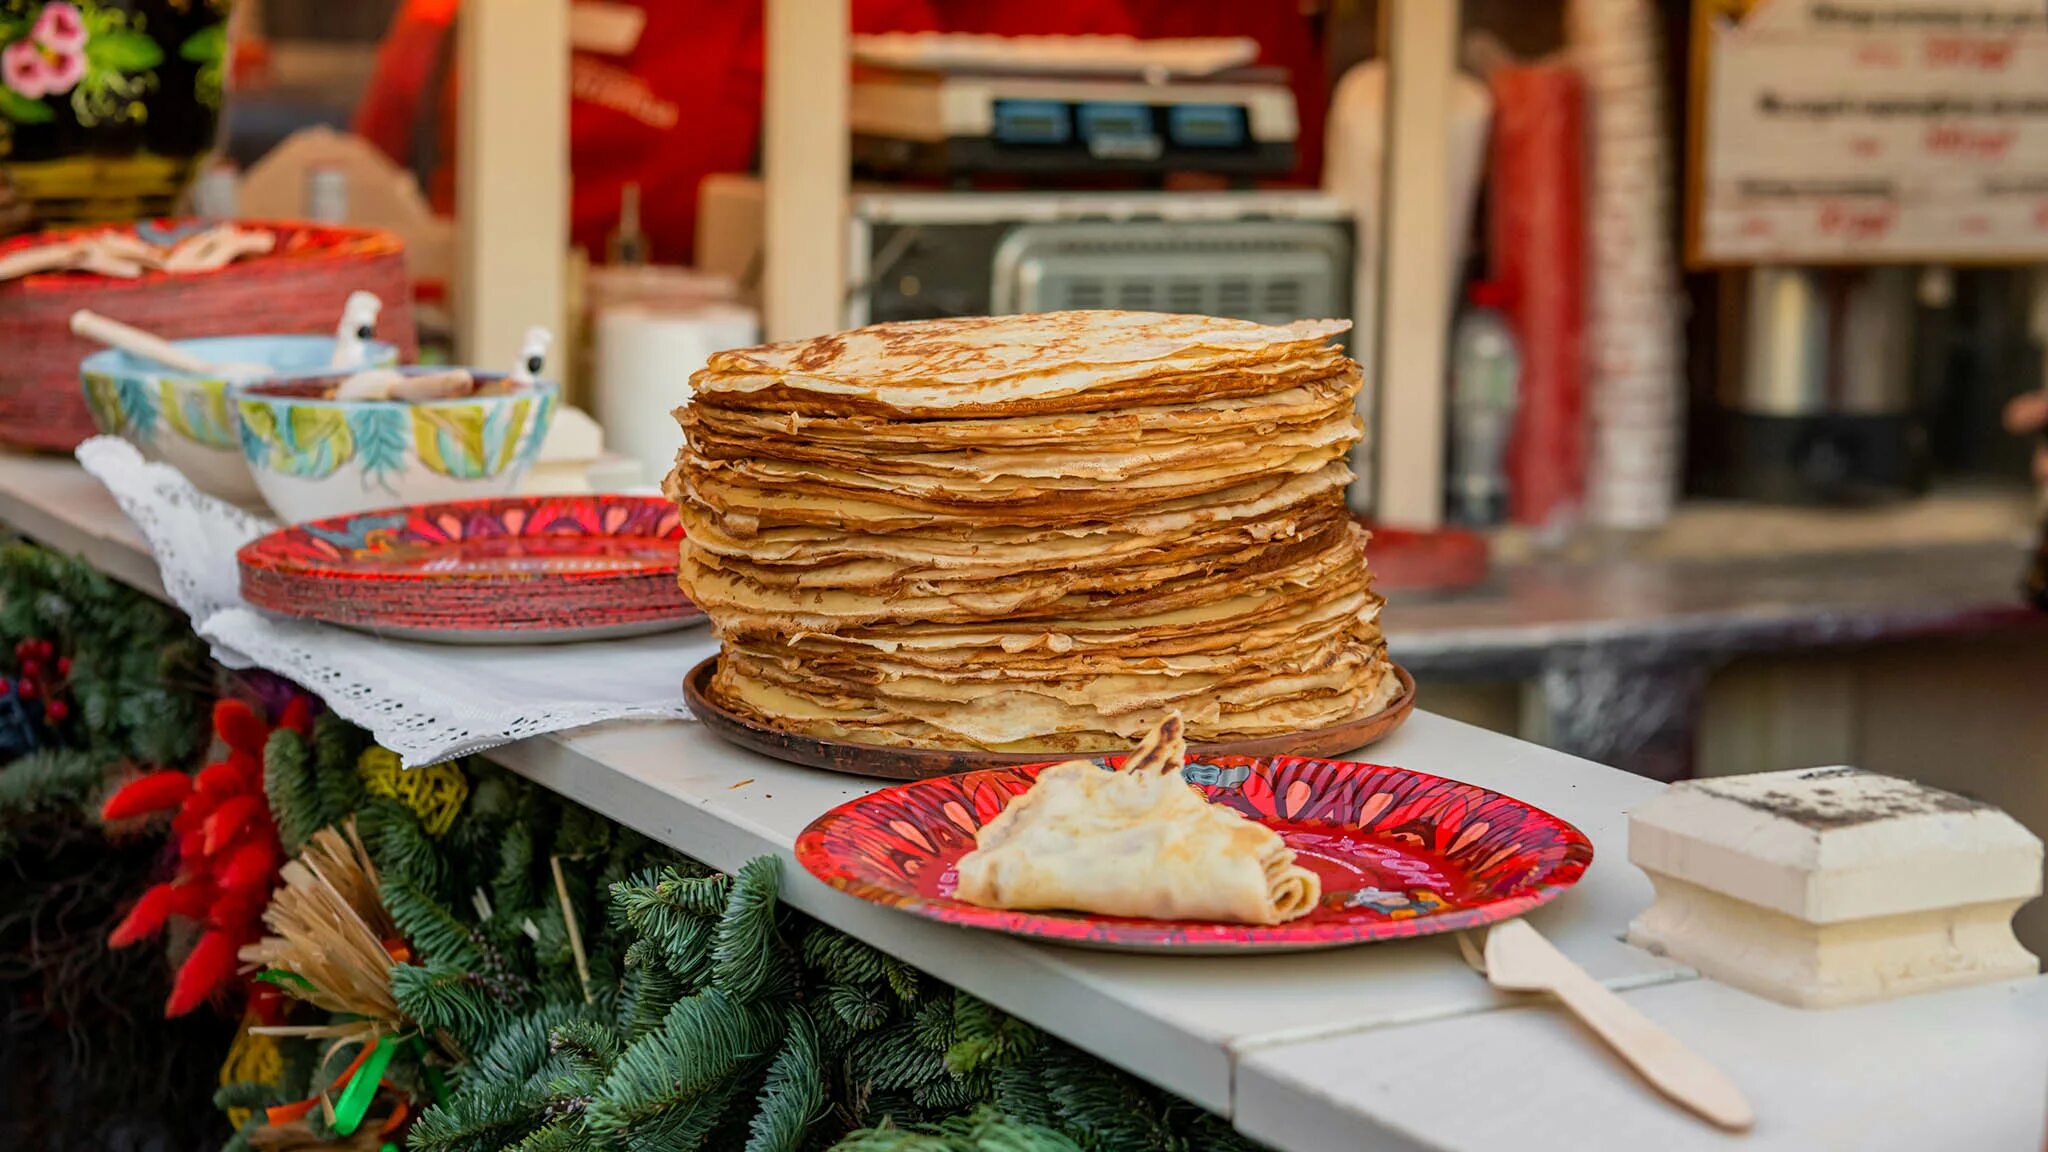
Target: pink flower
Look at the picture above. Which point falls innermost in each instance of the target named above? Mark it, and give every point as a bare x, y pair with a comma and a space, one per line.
25, 71
65, 70
61, 30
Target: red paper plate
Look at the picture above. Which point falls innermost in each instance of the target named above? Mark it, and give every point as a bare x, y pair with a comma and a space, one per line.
1400, 853
515, 568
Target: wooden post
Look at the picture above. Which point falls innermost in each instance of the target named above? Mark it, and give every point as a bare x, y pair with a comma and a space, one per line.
804, 168
512, 174
1420, 39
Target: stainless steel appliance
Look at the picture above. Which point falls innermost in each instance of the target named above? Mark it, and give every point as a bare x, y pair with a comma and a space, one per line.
1820, 403
1268, 256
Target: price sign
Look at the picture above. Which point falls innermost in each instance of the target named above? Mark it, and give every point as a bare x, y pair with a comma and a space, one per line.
1868, 131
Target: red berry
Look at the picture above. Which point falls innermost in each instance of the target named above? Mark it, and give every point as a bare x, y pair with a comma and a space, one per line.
56, 711
24, 649
63, 665
32, 668
28, 689
45, 649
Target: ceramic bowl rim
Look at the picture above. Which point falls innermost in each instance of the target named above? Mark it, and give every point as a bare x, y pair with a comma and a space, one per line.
102, 362
244, 391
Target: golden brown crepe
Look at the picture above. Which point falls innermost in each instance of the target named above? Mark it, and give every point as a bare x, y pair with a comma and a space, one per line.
1137, 842
1032, 533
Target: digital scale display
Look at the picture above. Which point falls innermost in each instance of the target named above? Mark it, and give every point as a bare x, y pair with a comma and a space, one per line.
1123, 131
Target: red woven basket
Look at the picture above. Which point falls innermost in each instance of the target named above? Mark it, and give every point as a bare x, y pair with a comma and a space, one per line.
298, 287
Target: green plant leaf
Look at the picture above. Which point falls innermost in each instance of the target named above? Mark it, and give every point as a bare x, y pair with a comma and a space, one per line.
123, 50
206, 45
23, 110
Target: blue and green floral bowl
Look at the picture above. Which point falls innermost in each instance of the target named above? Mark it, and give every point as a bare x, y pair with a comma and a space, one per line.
313, 458
186, 421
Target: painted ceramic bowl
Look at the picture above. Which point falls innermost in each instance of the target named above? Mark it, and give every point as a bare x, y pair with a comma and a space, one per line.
314, 457
186, 421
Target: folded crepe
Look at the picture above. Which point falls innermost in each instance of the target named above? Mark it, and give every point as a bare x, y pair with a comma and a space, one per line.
1137, 842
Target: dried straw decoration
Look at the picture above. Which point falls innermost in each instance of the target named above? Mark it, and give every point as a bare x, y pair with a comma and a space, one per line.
328, 926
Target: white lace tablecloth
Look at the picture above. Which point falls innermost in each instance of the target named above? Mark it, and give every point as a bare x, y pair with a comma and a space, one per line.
426, 702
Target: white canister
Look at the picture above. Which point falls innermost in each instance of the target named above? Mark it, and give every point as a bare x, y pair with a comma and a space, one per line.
645, 357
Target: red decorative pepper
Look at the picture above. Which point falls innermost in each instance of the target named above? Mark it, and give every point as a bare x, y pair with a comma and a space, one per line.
228, 850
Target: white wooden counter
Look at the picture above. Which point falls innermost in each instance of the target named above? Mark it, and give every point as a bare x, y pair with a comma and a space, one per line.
1311, 1051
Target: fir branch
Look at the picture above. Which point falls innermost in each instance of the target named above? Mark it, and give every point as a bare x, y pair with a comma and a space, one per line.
248, 1094
442, 997
793, 1095
650, 990
686, 1127
947, 1094
932, 1025
562, 1134
986, 1037
587, 1043
844, 959
481, 1119
706, 1040
675, 912
895, 1059
582, 834
402, 848
434, 932
337, 745
294, 796
48, 780
862, 1008
746, 956
512, 887
518, 1051
983, 1131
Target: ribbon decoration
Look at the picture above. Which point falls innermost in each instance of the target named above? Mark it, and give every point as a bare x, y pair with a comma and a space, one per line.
357, 1083
362, 1087
284, 978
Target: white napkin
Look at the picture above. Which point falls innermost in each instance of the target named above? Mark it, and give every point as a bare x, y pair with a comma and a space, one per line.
426, 702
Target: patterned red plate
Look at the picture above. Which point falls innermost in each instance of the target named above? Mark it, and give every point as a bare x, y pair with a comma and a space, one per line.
1400, 853
539, 567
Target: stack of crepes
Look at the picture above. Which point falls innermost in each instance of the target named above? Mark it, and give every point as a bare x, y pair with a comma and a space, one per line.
1033, 533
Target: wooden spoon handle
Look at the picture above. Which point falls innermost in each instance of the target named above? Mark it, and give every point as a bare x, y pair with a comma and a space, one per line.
136, 342
1675, 1070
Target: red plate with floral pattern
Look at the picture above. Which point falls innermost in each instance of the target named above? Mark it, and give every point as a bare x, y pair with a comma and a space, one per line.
518, 568
1400, 853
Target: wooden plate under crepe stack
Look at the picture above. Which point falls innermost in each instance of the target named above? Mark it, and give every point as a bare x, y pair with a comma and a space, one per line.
1024, 536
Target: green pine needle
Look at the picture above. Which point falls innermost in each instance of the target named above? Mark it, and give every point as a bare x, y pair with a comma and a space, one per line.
483, 1119
982, 1131
512, 885
248, 1094
706, 1040
745, 957
48, 780
650, 990
862, 1008
565, 1134
686, 1127
294, 795
401, 848
517, 1053
588, 1043
896, 1059
337, 744
434, 932
442, 996
794, 1094
986, 1036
